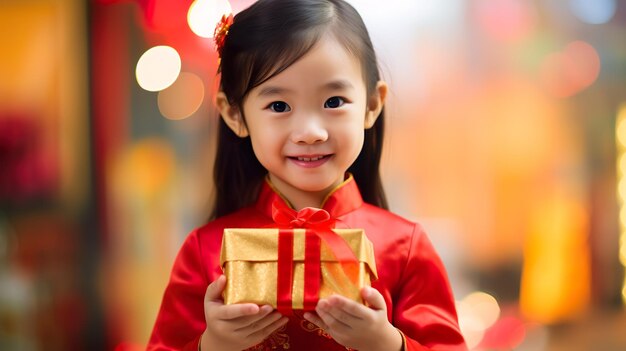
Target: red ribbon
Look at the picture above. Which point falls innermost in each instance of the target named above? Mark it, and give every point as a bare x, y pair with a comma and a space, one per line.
318, 224
285, 270
312, 270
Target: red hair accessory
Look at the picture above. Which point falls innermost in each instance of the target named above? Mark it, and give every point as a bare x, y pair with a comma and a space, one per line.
221, 30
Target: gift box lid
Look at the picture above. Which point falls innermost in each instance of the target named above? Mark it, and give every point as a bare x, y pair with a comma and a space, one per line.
261, 245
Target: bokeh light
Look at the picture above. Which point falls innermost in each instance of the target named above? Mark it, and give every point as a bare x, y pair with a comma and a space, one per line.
471, 326
587, 63
556, 274
622, 164
622, 252
204, 15
620, 138
621, 189
158, 68
505, 20
620, 129
146, 168
477, 312
182, 98
485, 306
622, 214
519, 104
568, 72
593, 11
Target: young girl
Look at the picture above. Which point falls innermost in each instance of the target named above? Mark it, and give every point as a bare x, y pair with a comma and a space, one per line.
301, 102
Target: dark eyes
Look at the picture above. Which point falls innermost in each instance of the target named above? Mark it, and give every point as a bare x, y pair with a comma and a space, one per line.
334, 102
281, 106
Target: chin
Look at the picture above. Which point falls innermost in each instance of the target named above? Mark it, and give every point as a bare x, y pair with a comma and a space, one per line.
316, 187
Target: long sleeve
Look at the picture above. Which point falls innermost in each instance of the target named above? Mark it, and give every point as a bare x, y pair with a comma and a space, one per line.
411, 276
180, 321
424, 309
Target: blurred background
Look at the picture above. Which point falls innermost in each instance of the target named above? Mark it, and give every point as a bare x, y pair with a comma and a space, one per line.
506, 140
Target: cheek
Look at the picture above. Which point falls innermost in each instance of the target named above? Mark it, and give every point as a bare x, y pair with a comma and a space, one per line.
266, 147
352, 141
259, 148
358, 144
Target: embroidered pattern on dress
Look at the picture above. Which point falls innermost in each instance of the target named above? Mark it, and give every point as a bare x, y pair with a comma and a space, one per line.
312, 328
277, 340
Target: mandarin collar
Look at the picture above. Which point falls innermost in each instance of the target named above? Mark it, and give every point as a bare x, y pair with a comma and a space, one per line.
343, 199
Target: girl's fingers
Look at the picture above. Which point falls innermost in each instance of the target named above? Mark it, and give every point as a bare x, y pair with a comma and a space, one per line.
345, 311
342, 317
263, 333
247, 322
373, 298
229, 312
214, 290
323, 310
255, 325
351, 308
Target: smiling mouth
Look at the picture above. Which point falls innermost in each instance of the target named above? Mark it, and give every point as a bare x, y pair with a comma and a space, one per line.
309, 158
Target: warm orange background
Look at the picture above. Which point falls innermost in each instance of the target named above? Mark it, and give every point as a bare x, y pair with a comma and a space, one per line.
500, 141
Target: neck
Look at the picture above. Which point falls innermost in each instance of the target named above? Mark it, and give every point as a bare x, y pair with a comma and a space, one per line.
298, 198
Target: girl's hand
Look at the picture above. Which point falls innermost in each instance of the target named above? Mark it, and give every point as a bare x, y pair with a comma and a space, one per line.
357, 326
238, 326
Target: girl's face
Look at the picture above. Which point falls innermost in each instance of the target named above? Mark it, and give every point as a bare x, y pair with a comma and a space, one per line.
307, 123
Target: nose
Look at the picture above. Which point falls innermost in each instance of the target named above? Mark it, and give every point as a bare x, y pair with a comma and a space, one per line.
308, 130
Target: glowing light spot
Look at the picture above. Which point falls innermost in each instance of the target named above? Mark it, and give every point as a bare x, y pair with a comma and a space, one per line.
146, 168
621, 191
485, 307
477, 312
593, 11
622, 216
204, 15
182, 98
622, 163
555, 250
572, 70
587, 61
158, 68
620, 129
505, 20
620, 136
470, 324
622, 252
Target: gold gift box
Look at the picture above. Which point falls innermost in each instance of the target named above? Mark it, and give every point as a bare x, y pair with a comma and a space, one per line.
249, 260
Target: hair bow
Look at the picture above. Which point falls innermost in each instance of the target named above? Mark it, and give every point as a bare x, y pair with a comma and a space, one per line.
221, 31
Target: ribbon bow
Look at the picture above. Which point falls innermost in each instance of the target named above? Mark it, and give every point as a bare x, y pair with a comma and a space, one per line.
305, 218
318, 224
320, 221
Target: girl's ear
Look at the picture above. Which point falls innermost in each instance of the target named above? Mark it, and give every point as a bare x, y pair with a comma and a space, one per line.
375, 104
231, 115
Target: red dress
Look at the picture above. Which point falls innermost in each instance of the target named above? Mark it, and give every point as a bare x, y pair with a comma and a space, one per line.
411, 278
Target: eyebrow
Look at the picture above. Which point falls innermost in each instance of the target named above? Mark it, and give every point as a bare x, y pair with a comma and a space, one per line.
272, 90
340, 84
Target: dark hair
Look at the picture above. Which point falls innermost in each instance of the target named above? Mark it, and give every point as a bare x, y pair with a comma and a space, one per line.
264, 40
